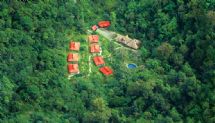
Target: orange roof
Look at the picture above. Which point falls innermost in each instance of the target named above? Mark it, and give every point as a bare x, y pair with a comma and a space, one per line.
93, 38
74, 46
94, 48
72, 57
98, 60
94, 27
73, 68
104, 24
106, 70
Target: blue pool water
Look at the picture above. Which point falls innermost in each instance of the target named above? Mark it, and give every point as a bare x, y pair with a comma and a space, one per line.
132, 66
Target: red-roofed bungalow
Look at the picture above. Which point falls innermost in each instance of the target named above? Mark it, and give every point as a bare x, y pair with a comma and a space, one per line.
72, 57
93, 38
94, 27
94, 48
73, 68
74, 46
106, 70
98, 60
104, 24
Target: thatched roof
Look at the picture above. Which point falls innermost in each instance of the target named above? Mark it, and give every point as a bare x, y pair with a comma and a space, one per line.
125, 40
132, 43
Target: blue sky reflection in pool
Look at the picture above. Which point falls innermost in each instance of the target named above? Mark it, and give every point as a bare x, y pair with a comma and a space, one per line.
132, 66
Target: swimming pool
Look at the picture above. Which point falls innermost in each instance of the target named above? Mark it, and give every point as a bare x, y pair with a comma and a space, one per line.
131, 66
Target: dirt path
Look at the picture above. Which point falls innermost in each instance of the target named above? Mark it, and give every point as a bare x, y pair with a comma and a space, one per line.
90, 65
100, 53
104, 33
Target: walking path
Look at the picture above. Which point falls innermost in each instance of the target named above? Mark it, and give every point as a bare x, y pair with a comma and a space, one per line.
106, 34
90, 65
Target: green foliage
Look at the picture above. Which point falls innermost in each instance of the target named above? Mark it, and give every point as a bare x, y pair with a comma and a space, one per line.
6, 90
100, 112
164, 51
174, 80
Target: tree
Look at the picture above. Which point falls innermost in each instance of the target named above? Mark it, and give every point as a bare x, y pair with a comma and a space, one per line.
211, 16
6, 90
113, 20
177, 59
144, 52
164, 50
26, 22
100, 112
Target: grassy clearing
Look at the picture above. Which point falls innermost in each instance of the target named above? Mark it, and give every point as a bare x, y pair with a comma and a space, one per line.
111, 52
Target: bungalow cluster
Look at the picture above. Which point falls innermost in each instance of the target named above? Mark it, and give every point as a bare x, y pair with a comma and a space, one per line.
98, 60
95, 48
73, 58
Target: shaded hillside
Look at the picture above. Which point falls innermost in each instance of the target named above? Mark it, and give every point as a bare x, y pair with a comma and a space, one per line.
174, 80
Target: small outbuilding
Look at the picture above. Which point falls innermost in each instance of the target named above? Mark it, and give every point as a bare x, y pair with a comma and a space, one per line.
94, 48
104, 24
106, 70
98, 60
73, 68
94, 27
125, 40
93, 38
74, 46
72, 57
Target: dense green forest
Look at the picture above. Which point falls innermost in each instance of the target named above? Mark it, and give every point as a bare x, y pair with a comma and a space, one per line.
176, 82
